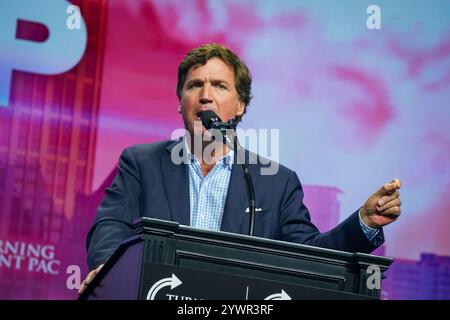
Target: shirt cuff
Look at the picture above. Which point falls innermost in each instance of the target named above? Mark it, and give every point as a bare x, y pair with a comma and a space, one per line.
371, 233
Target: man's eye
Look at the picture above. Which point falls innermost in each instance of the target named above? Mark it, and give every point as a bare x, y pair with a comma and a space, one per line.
220, 85
195, 85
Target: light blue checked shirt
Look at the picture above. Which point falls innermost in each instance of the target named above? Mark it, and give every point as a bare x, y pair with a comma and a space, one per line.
208, 195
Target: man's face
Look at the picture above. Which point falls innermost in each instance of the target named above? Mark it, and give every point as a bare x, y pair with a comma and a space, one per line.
209, 87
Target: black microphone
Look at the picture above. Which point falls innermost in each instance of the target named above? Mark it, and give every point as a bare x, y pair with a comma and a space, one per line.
211, 120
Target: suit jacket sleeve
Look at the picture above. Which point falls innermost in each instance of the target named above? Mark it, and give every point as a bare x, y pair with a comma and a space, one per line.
117, 211
296, 225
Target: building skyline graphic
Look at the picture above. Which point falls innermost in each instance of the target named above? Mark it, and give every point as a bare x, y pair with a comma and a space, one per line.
47, 148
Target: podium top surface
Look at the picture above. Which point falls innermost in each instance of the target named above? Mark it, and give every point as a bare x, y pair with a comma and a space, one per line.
177, 231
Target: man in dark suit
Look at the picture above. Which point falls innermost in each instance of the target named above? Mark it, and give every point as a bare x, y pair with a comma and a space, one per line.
209, 191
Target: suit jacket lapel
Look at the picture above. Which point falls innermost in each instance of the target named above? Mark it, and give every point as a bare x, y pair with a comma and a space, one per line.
176, 184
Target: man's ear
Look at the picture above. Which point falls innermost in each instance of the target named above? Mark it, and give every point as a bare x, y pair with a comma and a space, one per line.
179, 108
240, 108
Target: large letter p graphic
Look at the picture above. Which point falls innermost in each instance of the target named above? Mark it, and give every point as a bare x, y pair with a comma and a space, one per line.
60, 52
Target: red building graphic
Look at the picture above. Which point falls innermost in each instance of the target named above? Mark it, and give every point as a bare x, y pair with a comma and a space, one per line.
47, 149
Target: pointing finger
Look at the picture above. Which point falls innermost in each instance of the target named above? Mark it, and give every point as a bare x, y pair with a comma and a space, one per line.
397, 182
386, 189
389, 187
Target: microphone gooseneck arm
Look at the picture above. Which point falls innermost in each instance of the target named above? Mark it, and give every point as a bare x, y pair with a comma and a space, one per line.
248, 178
250, 189
212, 121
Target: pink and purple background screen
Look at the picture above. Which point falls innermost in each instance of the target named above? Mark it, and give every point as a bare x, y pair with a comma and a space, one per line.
355, 108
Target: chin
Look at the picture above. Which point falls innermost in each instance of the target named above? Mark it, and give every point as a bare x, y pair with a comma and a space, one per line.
196, 126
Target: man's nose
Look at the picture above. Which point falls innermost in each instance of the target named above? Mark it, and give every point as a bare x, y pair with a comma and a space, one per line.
205, 95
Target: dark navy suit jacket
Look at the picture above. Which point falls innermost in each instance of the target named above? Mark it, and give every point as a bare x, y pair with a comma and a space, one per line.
149, 184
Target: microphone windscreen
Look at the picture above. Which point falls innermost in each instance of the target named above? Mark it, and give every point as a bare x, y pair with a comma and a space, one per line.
208, 118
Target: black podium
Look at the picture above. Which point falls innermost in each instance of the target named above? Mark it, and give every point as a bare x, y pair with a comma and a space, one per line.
169, 261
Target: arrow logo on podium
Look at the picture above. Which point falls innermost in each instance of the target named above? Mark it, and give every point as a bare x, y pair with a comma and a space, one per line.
171, 282
279, 296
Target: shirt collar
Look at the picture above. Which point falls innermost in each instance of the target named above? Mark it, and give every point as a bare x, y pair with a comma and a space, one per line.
225, 161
